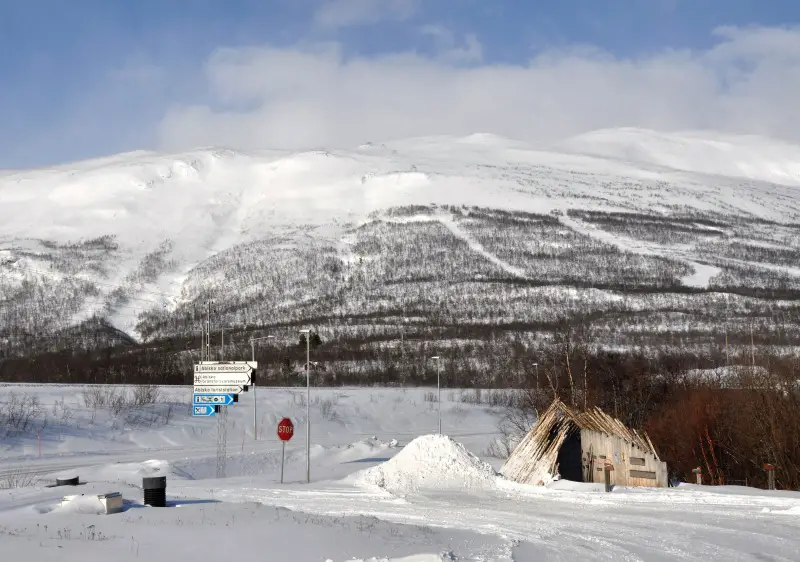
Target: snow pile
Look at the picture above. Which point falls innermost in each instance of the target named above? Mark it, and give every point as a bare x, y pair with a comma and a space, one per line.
87, 504
432, 462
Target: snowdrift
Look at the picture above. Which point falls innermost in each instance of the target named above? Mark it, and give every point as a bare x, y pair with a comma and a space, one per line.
737, 156
129, 474
429, 462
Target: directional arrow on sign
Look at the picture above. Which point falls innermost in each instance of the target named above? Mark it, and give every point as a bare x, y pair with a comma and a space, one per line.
206, 410
219, 399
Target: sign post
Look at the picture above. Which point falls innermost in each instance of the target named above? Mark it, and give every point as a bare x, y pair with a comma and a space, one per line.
608, 469
770, 475
285, 432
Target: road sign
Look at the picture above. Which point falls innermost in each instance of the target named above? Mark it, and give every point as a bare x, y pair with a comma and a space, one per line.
221, 399
226, 367
205, 410
222, 379
285, 429
232, 389
216, 377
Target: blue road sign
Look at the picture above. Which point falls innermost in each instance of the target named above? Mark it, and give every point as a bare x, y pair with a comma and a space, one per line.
216, 399
206, 410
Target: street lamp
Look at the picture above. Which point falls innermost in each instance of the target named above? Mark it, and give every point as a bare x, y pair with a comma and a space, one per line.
439, 388
255, 403
307, 333
536, 366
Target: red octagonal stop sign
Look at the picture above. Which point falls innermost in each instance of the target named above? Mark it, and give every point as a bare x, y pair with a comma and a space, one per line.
285, 429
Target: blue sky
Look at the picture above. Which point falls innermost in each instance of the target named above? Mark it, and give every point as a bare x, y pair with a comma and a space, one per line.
92, 77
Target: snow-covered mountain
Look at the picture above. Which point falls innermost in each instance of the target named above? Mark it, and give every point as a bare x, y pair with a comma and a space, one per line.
479, 230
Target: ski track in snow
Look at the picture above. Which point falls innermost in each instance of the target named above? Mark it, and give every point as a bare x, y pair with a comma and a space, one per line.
703, 273
450, 224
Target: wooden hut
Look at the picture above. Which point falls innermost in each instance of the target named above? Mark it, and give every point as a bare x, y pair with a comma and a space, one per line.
578, 446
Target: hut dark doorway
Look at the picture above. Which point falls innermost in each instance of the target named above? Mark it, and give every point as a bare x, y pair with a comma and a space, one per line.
569, 458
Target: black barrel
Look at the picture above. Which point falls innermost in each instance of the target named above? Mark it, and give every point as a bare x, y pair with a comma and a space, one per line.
155, 491
67, 481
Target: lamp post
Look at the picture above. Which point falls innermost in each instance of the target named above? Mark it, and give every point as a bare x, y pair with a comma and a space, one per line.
255, 402
536, 366
307, 332
439, 388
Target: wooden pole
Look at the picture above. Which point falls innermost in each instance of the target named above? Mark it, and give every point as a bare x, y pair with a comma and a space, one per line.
608, 469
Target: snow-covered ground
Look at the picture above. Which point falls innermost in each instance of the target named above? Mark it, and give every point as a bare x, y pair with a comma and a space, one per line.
383, 487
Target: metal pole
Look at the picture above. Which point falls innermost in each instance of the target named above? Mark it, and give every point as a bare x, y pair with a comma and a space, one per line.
255, 402
222, 345
308, 407
208, 331
283, 456
439, 390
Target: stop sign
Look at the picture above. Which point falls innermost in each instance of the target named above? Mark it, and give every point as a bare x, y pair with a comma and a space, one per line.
285, 429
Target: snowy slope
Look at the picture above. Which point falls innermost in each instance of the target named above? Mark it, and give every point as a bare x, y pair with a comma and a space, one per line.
168, 213
739, 156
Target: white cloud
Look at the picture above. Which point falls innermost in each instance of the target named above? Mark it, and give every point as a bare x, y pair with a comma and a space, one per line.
298, 98
447, 48
334, 14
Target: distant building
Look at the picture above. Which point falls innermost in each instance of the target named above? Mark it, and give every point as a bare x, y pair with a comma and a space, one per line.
578, 446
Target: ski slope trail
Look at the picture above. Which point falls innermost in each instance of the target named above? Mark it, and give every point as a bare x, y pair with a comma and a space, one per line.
449, 222
475, 246
703, 273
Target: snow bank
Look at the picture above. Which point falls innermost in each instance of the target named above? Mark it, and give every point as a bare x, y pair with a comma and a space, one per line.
433, 462
415, 558
790, 511
125, 473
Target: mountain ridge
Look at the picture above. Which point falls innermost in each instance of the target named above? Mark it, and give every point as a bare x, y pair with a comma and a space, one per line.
144, 242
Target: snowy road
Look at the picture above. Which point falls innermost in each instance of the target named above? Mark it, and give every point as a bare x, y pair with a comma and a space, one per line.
680, 524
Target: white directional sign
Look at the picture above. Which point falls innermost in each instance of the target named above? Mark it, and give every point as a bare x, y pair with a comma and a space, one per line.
199, 389
223, 378
232, 367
